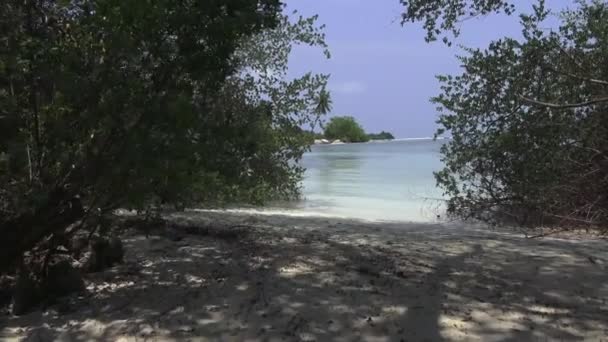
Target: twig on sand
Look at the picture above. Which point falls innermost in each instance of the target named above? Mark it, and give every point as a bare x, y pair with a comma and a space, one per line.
549, 233
262, 292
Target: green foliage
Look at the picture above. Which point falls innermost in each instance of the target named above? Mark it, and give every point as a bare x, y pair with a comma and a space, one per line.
110, 97
275, 140
345, 128
381, 136
127, 104
529, 123
440, 16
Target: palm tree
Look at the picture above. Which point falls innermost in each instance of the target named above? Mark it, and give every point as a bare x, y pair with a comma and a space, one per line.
324, 103
324, 106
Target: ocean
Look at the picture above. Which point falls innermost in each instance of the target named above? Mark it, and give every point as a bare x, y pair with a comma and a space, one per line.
386, 181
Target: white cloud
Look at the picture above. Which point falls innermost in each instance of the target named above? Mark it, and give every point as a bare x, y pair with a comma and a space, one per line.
349, 87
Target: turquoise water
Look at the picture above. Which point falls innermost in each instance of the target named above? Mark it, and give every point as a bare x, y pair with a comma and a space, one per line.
375, 181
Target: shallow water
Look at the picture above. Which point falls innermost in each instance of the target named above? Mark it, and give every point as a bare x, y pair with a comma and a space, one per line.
389, 181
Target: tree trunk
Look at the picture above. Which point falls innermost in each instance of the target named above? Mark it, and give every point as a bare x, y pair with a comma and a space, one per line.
23, 233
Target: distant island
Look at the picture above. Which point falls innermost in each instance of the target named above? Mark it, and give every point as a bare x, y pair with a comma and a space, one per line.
345, 129
381, 136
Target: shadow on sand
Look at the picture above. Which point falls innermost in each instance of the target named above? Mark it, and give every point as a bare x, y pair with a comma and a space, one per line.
330, 281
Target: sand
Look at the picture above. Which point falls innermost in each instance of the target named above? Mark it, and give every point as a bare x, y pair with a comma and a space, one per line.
321, 279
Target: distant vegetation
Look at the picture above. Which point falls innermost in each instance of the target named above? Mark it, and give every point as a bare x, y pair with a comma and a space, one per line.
381, 136
347, 129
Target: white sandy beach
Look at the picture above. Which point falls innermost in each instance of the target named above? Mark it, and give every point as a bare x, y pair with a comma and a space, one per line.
286, 278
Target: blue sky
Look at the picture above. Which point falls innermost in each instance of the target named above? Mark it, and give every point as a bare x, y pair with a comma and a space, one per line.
383, 73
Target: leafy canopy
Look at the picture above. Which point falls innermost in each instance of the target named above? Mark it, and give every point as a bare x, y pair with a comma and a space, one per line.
439, 16
528, 121
345, 128
124, 104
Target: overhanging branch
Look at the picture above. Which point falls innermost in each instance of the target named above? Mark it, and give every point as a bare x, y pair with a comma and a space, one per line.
563, 105
588, 79
579, 77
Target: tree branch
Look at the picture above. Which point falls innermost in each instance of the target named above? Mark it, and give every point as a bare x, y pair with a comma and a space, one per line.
582, 78
565, 105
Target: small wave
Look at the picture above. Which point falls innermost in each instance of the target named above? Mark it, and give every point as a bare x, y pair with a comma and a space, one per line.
420, 139
273, 212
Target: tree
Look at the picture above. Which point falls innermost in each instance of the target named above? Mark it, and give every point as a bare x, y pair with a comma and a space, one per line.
345, 128
274, 139
110, 104
528, 123
324, 103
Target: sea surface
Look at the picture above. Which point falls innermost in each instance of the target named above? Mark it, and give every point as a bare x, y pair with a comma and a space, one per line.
390, 181
376, 181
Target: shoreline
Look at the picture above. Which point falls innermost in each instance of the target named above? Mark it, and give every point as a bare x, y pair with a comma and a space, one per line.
340, 142
319, 278
332, 214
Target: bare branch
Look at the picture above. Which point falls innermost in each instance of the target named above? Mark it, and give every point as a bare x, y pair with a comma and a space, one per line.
565, 105
582, 78
592, 80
